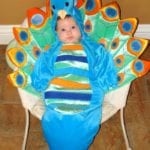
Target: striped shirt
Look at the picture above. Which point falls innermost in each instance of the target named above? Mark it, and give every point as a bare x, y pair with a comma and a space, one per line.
70, 90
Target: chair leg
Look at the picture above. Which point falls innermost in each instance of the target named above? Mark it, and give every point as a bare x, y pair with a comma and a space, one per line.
26, 130
124, 130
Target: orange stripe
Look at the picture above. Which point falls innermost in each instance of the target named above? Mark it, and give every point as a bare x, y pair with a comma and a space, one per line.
72, 47
69, 84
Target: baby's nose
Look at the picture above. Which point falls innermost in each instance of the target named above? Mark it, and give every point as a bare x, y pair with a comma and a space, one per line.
69, 32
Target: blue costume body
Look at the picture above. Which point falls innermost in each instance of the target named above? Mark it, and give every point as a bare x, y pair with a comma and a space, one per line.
74, 131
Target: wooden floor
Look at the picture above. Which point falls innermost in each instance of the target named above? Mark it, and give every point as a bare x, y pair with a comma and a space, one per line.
110, 137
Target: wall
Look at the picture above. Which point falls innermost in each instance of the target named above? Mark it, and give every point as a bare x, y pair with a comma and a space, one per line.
14, 11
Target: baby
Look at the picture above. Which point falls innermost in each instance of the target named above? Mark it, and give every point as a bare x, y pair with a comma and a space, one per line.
73, 76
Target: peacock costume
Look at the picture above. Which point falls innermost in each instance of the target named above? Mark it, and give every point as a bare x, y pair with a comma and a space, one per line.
72, 79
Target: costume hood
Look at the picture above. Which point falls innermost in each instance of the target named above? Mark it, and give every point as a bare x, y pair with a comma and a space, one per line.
64, 8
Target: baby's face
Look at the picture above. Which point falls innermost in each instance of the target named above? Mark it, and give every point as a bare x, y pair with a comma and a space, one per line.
68, 31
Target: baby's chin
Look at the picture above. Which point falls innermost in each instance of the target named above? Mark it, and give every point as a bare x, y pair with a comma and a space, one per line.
71, 41
75, 42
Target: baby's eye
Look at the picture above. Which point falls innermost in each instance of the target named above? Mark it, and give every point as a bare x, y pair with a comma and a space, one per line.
67, 4
63, 30
53, 7
73, 27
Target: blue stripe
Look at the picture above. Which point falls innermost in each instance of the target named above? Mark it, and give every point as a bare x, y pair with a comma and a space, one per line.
71, 70
71, 58
67, 95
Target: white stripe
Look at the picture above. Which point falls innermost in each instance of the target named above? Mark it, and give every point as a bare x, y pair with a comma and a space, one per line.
74, 64
67, 112
48, 102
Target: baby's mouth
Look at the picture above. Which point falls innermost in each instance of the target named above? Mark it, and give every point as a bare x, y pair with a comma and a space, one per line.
70, 38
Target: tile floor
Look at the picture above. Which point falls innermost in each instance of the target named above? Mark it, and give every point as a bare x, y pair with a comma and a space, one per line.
137, 116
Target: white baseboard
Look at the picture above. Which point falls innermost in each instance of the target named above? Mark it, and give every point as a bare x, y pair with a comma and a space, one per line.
143, 31
6, 34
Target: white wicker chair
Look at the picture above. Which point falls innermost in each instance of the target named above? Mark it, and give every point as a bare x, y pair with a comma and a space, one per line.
114, 101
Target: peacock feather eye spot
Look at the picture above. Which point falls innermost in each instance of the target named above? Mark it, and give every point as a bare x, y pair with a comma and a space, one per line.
19, 79
111, 12
139, 66
88, 26
127, 26
37, 19
37, 53
136, 45
23, 35
120, 77
90, 5
115, 43
67, 4
103, 42
119, 60
19, 56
